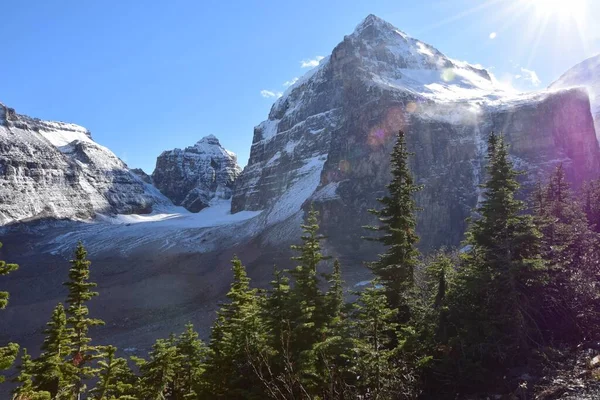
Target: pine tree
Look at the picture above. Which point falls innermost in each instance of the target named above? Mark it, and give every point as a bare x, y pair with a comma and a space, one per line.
378, 375
115, 379
191, 353
237, 338
52, 368
158, 373
395, 268
307, 302
5, 269
571, 248
78, 322
8, 355
26, 390
334, 350
492, 306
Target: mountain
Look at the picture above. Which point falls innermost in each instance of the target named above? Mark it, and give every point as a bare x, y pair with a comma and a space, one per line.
585, 74
55, 170
327, 140
197, 175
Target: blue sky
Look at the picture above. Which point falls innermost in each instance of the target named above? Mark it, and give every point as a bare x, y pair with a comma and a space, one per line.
146, 76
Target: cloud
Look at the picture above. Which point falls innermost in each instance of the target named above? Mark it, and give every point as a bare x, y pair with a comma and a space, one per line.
267, 93
311, 63
290, 82
493, 35
530, 76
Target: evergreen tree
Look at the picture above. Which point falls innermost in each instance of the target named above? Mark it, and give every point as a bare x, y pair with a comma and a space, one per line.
158, 373
492, 307
374, 363
115, 379
8, 355
334, 350
237, 338
591, 195
5, 269
51, 367
78, 321
395, 268
26, 390
191, 353
308, 306
571, 248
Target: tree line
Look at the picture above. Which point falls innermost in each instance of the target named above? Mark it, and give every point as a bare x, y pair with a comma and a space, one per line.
427, 326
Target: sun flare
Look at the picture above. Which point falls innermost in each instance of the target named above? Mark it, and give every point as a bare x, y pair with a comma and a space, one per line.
562, 9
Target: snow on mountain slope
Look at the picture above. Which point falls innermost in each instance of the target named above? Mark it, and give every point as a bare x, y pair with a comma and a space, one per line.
55, 170
585, 74
345, 114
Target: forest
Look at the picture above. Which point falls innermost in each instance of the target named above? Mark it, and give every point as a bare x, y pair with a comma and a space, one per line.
454, 324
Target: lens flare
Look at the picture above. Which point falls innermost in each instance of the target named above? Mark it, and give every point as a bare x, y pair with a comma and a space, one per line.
448, 74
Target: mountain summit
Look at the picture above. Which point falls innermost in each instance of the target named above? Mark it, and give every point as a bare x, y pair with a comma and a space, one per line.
327, 140
198, 175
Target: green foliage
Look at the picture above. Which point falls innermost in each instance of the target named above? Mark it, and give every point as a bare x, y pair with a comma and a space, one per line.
26, 390
115, 378
8, 355
374, 348
52, 371
492, 309
238, 336
395, 269
570, 308
191, 354
5, 269
78, 321
158, 372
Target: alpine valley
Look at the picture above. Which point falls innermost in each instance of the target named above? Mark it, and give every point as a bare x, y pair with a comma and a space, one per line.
325, 144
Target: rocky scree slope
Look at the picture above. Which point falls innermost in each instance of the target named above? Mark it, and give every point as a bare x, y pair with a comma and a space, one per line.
327, 140
197, 175
55, 170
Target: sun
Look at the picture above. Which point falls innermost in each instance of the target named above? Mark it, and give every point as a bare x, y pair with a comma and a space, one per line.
561, 9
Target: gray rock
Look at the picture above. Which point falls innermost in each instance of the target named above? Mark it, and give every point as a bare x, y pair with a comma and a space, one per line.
55, 170
328, 138
197, 175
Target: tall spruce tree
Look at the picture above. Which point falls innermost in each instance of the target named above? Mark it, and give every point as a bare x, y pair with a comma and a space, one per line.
238, 336
78, 321
397, 222
493, 309
51, 368
307, 302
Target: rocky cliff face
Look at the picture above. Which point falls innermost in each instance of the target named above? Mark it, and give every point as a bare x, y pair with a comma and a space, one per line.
55, 170
197, 175
586, 74
327, 139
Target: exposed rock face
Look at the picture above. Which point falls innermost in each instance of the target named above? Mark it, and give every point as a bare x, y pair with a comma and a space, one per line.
55, 170
328, 138
196, 175
585, 74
